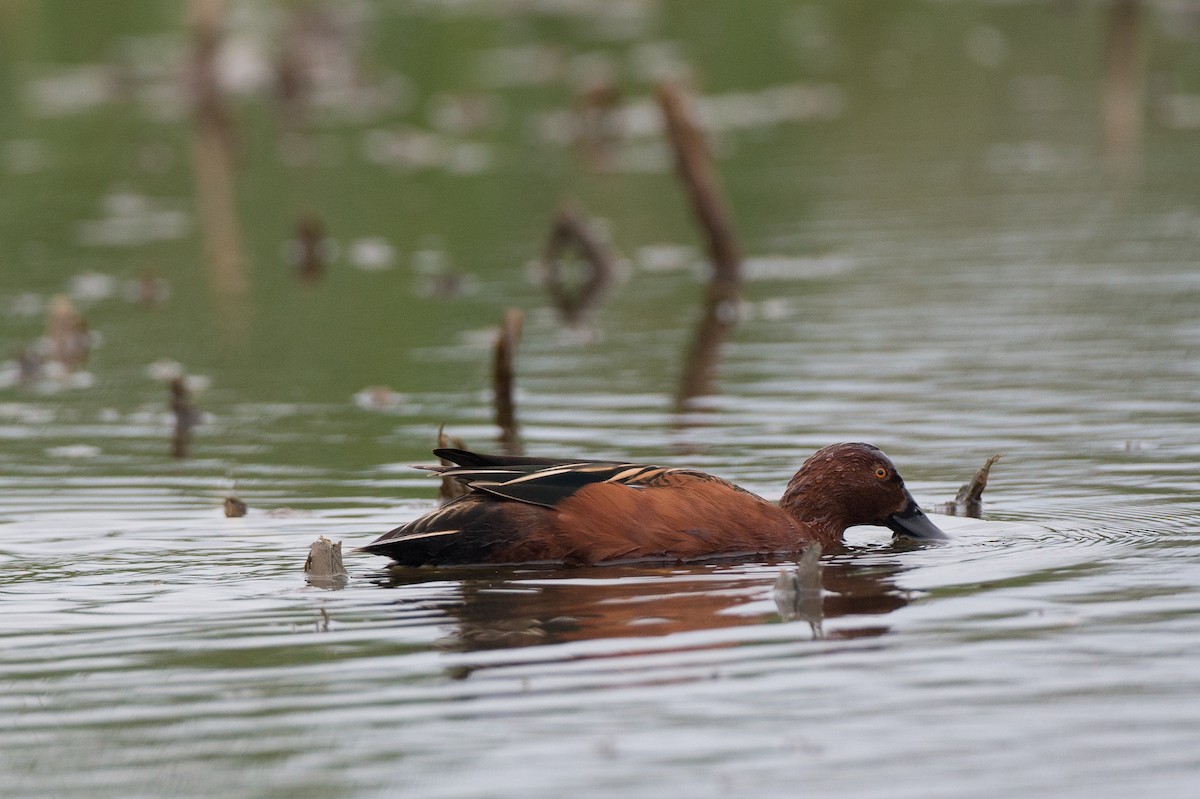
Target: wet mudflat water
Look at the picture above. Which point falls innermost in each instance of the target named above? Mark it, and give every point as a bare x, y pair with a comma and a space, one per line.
953, 250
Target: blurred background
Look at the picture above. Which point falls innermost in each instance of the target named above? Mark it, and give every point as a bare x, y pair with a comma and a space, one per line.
297, 201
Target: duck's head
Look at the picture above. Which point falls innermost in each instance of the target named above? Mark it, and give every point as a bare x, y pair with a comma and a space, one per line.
847, 484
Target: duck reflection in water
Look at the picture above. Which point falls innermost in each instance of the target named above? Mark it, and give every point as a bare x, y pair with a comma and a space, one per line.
511, 607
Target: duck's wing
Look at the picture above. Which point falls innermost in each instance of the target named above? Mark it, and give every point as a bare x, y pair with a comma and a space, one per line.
547, 482
468, 459
514, 499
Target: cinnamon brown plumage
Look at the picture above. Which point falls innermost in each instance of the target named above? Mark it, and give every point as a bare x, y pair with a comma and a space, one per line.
522, 510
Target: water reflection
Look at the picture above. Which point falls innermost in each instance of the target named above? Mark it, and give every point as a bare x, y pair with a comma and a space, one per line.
517, 607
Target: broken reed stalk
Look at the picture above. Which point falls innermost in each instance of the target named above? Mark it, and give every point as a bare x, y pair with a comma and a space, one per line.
972, 492
213, 156
310, 248
1123, 79
693, 160
969, 500
207, 18
185, 418
294, 71
67, 331
504, 356
235, 508
324, 567
694, 163
599, 123
571, 229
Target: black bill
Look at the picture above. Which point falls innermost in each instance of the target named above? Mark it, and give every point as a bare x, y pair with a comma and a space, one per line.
913, 523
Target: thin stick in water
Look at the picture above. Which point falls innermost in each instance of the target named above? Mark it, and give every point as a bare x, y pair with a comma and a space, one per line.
503, 374
214, 145
186, 416
693, 161
969, 501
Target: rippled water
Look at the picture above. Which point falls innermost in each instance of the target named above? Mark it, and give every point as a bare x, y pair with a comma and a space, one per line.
946, 285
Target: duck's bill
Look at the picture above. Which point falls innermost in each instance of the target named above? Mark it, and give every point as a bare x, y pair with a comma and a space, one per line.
913, 523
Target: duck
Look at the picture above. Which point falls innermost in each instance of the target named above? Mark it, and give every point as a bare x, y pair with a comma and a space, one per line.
527, 510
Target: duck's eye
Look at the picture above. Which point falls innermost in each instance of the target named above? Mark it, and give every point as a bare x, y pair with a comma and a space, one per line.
881, 472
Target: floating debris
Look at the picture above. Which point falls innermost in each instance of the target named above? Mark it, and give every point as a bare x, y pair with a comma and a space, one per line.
70, 341
311, 251
504, 355
235, 508
56, 360
149, 290
187, 416
450, 489
324, 567
969, 501
571, 231
694, 164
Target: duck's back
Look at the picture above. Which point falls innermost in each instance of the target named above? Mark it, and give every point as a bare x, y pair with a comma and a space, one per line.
522, 510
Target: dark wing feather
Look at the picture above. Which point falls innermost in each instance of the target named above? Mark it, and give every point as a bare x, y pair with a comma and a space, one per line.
472, 460
545, 486
549, 481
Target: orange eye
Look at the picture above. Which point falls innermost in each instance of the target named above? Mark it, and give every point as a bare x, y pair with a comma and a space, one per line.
881, 472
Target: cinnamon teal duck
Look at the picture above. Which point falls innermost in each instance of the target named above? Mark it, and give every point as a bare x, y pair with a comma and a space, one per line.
542, 510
